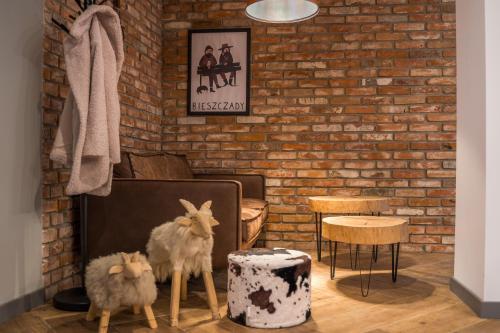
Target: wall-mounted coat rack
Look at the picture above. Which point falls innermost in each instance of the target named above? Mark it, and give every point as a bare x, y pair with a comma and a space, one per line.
75, 299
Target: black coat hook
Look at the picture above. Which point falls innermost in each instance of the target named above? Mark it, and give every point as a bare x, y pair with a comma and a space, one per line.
83, 5
60, 25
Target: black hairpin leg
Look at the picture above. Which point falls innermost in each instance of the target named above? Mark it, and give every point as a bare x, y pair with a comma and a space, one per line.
356, 257
395, 263
375, 252
365, 291
376, 246
318, 218
320, 234
317, 231
333, 259
350, 255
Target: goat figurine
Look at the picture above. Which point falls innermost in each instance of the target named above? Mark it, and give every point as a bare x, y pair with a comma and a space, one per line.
184, 247
117, 280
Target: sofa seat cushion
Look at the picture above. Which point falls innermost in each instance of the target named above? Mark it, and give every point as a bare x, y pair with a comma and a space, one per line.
253, 215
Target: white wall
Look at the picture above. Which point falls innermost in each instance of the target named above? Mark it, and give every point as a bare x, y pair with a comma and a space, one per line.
471, 146
477, 262
492, 227
20, 176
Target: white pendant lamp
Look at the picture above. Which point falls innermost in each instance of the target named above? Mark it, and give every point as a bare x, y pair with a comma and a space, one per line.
281, 11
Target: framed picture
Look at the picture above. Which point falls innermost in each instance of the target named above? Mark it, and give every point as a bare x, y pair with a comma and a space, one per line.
219, 72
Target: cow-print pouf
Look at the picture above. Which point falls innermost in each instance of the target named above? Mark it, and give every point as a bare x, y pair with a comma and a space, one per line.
269, 288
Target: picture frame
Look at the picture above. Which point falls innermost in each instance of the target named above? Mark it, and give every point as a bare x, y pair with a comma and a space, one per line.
219, 65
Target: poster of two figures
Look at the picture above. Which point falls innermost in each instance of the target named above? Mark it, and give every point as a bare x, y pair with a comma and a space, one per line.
219, 71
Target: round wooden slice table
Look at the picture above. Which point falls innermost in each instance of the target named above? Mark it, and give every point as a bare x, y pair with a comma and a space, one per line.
343, 205
366, 230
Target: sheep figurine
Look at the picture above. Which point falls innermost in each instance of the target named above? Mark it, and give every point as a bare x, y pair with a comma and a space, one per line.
120, 280
181, 248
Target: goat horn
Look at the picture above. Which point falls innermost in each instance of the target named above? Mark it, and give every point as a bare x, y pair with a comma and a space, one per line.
189, 206
206, 205
125, 257
135, 256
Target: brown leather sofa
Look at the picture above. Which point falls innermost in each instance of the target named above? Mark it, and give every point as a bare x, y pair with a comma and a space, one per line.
145, 193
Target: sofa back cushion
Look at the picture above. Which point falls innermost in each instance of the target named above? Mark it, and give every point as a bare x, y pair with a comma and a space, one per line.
160, 166
148, 166
178, 167
124, 168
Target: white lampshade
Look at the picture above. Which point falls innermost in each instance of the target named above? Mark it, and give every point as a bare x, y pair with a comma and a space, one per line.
281, 11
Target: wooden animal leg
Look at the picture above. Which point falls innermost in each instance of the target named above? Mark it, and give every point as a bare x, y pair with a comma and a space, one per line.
184, 287
150, 316
92, 312
212, 297
136, 309
104, 323
174, 298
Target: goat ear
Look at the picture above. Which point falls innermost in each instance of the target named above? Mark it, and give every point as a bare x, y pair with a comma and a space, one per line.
213, 222
115, 269
185, 221
206, 205
189, 206
146, 267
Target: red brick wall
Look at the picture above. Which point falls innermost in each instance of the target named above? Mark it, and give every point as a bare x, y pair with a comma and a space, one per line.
359, 100
140, 92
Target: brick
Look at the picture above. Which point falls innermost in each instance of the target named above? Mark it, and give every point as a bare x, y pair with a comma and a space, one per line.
410, 26
423, 202
441, 193
250, 137
345, 173
282, 155
442, 81
325, 74
49, 235
425, 164
409, 211
311, 173
410, 193
442, 230
406, 174
441, 155
425, 35
441, 173
425, 239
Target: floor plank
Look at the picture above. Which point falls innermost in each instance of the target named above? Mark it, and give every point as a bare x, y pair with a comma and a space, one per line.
420, 301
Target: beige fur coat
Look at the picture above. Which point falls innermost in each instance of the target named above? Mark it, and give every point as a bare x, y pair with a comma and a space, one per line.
88, 133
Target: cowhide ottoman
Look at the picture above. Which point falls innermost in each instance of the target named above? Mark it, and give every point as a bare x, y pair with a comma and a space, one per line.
269, 288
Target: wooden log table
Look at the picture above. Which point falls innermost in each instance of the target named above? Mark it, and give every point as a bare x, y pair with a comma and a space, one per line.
366, 230
343, 205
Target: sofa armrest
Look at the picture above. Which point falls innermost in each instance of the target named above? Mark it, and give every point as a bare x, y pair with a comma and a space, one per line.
123, 220
254, 186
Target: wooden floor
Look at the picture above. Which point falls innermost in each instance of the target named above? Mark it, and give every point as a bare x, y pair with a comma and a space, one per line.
419, 302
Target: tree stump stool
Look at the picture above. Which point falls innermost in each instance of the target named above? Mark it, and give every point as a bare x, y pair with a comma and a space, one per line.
343, 205
365, 230
269, 288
